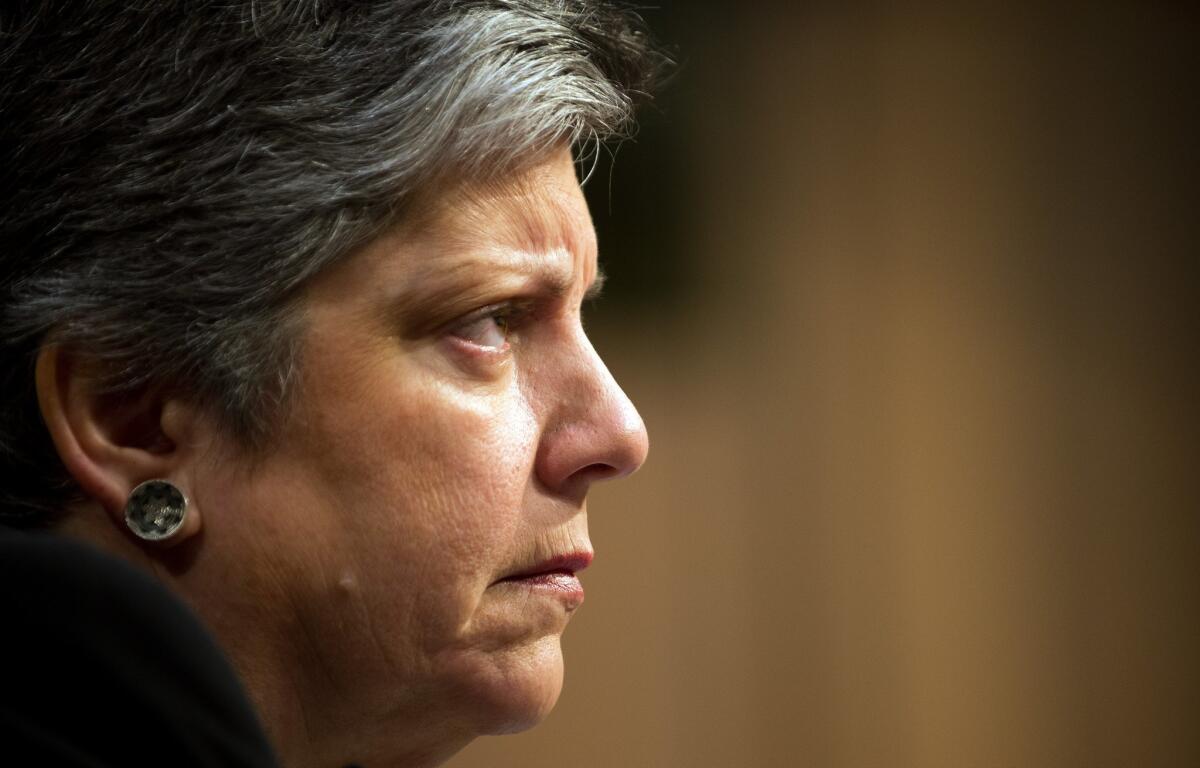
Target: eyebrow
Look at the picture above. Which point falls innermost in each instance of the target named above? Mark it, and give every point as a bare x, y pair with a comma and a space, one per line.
597, 287
454, 289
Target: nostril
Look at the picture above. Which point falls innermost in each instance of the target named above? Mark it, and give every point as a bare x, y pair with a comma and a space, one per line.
599, 471
576, 484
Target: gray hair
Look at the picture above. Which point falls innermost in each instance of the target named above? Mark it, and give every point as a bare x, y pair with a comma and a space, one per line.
173, 172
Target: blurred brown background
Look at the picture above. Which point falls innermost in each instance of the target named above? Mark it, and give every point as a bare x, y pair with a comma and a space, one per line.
906, 297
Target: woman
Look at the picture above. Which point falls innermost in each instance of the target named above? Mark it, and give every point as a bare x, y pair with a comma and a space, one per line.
291, 326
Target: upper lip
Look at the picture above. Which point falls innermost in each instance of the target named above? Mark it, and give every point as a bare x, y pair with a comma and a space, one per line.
569, 562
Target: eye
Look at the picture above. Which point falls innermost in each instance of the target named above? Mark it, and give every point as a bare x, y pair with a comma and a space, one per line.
488, 327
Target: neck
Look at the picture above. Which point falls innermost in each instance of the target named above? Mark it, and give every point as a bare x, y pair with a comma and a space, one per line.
327, 727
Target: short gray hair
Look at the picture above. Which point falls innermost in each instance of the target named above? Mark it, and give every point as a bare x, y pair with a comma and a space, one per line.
173, 172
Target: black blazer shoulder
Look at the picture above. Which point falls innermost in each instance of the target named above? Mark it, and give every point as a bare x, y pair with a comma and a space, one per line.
103, 666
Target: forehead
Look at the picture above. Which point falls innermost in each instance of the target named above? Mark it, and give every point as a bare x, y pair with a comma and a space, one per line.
530, 226
536, 207
535, 220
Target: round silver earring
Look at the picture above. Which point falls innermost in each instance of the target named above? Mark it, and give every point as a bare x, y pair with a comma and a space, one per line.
156, 510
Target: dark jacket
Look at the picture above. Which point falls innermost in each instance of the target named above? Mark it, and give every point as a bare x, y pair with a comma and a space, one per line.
103, 666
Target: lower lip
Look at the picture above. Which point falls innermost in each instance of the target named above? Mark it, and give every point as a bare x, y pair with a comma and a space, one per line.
558, 584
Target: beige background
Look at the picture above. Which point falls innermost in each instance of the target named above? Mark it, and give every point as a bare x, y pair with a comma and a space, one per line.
922, 394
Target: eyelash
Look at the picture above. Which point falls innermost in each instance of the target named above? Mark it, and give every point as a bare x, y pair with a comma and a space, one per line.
507, 316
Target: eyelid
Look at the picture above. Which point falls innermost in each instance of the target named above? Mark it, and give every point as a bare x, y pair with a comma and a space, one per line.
509, 307
477, 314
511, 311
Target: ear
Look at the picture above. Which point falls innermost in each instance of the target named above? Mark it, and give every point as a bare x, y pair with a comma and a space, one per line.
112, 443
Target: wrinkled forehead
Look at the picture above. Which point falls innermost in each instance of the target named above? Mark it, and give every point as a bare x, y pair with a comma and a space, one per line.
531, 226
538, 208
535, 221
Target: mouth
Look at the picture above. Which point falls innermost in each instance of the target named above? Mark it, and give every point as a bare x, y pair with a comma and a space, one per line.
555, 576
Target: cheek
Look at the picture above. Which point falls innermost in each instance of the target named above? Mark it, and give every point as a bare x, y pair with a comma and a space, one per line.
396, 501
429, 482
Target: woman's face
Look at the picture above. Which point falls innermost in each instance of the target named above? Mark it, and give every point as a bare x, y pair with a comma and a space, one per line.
450, 418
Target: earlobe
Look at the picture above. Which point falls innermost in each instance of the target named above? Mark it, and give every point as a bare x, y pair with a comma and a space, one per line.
112, 446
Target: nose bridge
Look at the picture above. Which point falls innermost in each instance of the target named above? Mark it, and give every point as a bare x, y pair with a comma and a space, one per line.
625, 415
594, 432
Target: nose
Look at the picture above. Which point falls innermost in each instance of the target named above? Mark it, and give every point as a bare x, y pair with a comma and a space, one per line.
594, 432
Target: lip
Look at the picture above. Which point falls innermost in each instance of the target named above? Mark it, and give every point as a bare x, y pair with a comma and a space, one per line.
554, 576
568, 563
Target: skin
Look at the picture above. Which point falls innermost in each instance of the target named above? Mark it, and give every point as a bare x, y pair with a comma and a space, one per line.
450, 418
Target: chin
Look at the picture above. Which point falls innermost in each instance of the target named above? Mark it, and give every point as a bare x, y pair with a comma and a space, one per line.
514, 689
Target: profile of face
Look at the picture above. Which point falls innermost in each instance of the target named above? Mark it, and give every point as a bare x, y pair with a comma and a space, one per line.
413, 532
